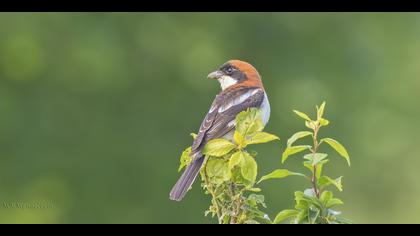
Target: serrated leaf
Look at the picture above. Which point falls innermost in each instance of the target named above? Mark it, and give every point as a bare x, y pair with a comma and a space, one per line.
249, 122
285, 214
293, 150
325, 181
297, 136
218, 147
235, 159
338, 147
249, 168
316, 158
239, 139
218, 171
261, 137
279, 174
185, 159
302, 115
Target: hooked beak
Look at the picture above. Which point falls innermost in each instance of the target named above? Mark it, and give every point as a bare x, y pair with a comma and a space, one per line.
215, 75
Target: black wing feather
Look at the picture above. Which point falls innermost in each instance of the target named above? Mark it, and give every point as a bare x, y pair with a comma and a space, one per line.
216, 124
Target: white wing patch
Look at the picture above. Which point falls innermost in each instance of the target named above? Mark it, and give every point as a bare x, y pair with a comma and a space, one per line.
238, 100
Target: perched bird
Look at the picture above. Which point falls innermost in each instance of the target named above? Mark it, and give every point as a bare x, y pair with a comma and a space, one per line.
241, 89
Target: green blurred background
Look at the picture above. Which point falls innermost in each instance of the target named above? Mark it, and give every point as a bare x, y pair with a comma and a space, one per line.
95, 109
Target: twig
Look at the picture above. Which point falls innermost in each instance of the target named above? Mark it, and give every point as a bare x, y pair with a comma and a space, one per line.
314, 150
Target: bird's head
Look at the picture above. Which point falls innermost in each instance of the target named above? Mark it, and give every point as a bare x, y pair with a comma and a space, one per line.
235, 73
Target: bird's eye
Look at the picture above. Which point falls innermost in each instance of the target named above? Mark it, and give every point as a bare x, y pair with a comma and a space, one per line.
229, 70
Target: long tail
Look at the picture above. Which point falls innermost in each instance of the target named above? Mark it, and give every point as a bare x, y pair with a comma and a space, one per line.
186, 180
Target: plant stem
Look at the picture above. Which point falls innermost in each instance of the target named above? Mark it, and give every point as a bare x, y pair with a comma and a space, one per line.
213, 196
236, 204
314, 150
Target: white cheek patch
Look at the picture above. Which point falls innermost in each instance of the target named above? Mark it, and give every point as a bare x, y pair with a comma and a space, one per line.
226, 81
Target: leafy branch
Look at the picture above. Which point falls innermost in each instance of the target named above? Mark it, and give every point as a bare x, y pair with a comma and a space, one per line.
314, 205
229, 172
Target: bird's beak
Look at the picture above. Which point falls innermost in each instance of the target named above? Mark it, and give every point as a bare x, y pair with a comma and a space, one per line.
215, 75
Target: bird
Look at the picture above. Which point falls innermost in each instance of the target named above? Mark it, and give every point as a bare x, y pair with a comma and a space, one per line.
241, 88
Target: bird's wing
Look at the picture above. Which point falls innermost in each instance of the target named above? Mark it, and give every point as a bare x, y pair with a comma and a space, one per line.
221, 117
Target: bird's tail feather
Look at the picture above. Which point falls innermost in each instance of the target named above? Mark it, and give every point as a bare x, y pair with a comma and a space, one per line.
186, 180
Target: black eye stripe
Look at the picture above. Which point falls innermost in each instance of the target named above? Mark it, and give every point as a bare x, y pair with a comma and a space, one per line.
228, 69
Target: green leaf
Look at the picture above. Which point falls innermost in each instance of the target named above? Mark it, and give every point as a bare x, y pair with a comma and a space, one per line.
193, 135
338, 147
237, 177
324, 122
255, 190
300, 203
239, 139
218, 147
326, 196
285, 214
249, 167
235, 159
310, 124
320, 110
325, 181
261, 137
185, 159
249, 122
297, 136
334, 202
302, 115
298, 195
293, 150
310, 197
255, 199
218, 171
278, 174
319, 167
302, 216
315, 158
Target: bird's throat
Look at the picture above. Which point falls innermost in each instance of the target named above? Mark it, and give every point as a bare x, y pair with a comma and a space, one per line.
227, 81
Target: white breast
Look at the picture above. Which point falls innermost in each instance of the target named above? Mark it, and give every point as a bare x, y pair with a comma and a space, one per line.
265, 110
